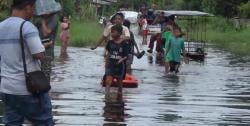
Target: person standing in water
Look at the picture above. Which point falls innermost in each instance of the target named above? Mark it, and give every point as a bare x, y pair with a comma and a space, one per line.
64, 35
19, 103
116, 56
174, 47
166, 35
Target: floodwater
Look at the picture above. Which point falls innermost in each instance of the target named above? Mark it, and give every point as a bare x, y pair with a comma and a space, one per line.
215, 92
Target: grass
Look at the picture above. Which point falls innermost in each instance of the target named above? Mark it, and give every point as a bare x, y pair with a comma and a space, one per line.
84, 33
81, 33
237, 42
223, 34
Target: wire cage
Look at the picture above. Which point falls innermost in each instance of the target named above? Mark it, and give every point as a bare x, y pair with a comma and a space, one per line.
193, 24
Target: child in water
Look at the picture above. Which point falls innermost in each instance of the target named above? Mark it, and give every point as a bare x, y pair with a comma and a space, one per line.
174, 47
166, 35
117, 53
64, 36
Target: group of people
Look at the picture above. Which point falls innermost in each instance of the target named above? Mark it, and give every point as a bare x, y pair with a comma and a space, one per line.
39, 42
119, 51
38, 33
120, 44
170, 43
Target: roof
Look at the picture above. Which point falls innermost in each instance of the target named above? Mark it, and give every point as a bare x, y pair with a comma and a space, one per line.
183, 13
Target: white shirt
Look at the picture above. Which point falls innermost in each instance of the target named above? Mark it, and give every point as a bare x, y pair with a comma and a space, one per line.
12, 71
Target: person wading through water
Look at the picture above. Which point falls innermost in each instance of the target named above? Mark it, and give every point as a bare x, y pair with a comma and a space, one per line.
19, 103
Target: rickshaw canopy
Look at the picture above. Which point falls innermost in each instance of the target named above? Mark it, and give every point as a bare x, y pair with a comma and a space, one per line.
183, 13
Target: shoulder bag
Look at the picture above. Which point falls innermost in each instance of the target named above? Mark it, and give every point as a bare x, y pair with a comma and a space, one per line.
36, 81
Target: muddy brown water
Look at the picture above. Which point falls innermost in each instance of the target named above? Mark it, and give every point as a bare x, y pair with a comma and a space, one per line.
213, 93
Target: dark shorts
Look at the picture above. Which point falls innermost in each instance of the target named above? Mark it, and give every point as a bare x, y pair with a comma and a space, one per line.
117, 71
174, 66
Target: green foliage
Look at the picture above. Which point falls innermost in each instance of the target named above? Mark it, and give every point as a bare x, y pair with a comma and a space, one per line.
209, 6
79, 9
4, 4
221, 24
174, 5
233, 41
161, 4
4, 8
3, 15
136, 4
226, 8
68, 7
84, 33
192, 4
89, 13
245, 10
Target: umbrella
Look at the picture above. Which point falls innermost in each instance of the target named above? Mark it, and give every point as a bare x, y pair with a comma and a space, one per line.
47, 7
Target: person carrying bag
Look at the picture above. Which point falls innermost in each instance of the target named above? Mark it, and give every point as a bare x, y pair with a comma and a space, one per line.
20, 52
36, 82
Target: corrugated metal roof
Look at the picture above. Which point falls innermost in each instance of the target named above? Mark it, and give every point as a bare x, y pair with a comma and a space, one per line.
183, 13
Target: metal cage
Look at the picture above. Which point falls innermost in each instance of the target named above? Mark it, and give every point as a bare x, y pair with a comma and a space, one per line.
193, 24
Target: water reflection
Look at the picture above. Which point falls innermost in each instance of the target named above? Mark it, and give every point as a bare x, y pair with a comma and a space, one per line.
114, 110
157, 59
170, 97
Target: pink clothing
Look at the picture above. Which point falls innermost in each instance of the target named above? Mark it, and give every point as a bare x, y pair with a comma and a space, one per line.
144, 24
64, 36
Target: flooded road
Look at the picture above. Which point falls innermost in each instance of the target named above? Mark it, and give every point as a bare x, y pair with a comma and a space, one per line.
213, 93
216, 92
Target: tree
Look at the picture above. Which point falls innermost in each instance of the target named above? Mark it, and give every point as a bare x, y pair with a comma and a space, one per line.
174, 5
226, 8
192, 5
82, 9
4, 8
245, 10
5, 4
